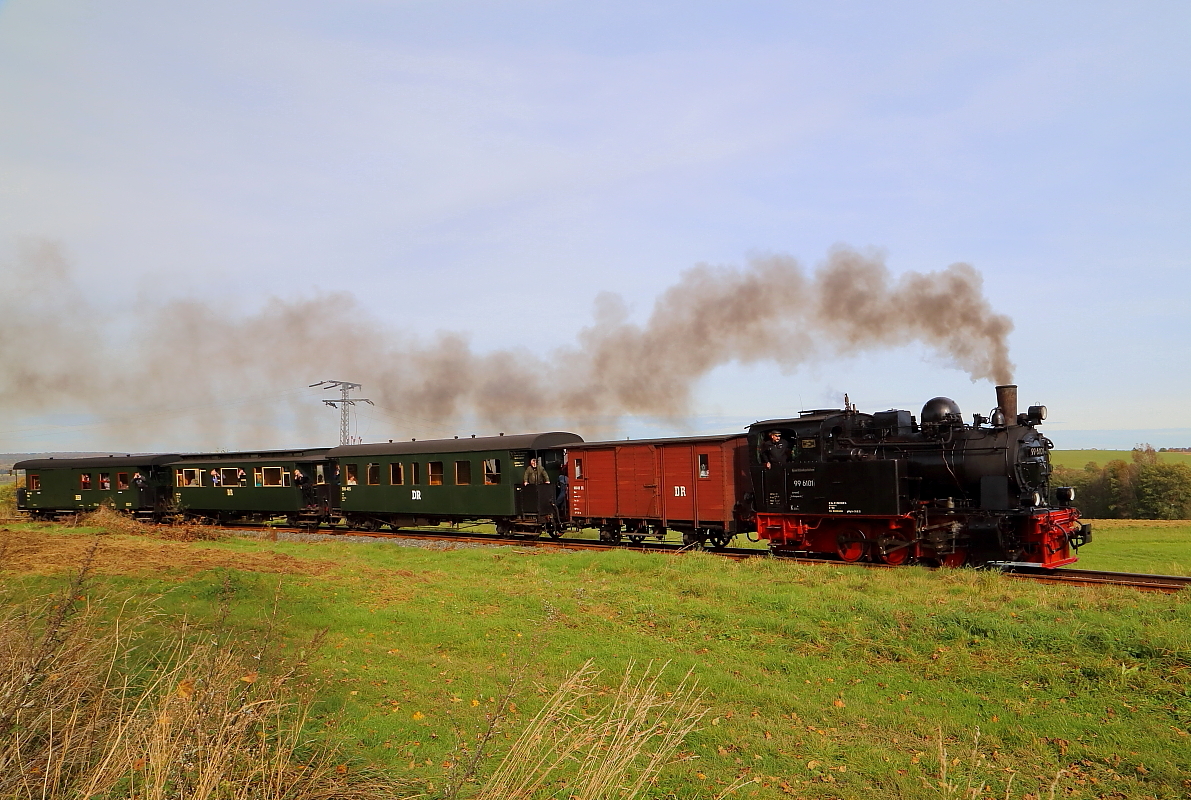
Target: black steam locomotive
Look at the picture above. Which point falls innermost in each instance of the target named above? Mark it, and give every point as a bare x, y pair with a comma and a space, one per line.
886, 487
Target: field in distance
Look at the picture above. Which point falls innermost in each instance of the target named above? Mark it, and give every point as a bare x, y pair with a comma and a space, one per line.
1076, 459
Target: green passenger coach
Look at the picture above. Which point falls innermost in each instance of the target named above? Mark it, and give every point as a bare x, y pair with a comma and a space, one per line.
254, 486
402, 484
134, 484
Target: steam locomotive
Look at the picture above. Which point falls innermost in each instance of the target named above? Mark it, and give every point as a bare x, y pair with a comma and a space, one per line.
887, 487
883, 486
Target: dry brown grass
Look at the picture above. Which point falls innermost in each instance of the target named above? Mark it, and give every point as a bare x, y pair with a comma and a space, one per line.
113, 521
597, 749
95, 704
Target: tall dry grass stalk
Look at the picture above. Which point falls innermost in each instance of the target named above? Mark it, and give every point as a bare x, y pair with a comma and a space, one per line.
101, 705
598, 749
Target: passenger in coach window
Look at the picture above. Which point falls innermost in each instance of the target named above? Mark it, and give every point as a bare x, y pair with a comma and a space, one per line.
776, 450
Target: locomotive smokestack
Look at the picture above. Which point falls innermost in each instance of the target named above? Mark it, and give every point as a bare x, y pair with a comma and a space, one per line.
1007, 402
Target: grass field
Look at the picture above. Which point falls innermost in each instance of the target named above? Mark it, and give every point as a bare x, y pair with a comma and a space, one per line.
822, 682
1077, 459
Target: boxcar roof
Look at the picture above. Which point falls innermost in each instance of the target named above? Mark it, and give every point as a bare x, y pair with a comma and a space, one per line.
519, 441
718, 437
96, 462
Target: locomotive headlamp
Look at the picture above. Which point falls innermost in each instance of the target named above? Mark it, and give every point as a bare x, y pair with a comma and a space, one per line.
1065, 495
1035, 499
1036, 414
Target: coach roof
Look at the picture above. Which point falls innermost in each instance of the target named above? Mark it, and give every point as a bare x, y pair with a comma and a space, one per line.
520, 441
96, 462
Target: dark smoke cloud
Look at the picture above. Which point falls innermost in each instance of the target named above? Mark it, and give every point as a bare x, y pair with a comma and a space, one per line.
186, 363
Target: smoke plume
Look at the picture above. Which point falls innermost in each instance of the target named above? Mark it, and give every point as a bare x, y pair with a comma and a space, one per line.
186, 363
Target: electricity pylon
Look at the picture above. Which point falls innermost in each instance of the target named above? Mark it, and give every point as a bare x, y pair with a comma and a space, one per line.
344, 404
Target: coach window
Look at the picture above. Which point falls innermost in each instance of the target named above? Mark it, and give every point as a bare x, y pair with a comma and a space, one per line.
105, 480
121, 480
704, 466
372, 474
34, 482
396, 474
462, 473
275, 476
352, 471
190, 477
415, 473
492, 472
434, 470
230, 476
578, 469
85, 481
258, 477
320, 476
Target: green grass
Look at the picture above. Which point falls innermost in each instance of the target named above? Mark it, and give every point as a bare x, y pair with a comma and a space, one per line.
822, 681
1077, 459
1159, 547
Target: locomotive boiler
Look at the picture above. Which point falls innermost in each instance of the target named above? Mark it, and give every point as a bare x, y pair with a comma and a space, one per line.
891, 488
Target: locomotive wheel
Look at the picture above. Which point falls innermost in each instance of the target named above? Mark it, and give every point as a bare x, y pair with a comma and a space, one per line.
956, 558
852, 545
894, 557
636, 538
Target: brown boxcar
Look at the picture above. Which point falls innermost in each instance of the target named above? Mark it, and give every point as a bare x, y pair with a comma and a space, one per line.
693, 485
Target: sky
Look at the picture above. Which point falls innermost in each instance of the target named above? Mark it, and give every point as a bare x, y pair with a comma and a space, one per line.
491, 171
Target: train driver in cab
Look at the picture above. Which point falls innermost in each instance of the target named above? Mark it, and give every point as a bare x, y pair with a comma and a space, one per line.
775, 450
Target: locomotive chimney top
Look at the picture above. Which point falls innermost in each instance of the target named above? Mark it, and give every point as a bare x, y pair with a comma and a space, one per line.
1007, 402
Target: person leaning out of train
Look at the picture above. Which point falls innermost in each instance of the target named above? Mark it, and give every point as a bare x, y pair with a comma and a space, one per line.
535, 474
776, 450
303, 484
139, 482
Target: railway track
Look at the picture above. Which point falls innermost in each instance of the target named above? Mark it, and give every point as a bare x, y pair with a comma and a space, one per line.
1158, 583
1077, 577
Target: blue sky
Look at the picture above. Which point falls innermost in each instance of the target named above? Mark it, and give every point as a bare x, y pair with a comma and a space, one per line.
490, 168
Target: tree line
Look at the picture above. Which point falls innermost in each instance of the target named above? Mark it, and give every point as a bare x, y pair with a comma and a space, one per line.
1143, 488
